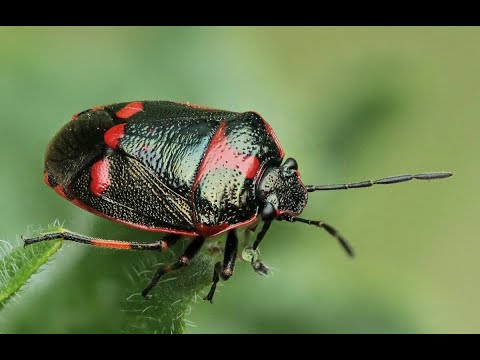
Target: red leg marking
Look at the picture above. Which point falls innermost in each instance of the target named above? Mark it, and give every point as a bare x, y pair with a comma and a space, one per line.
112, 244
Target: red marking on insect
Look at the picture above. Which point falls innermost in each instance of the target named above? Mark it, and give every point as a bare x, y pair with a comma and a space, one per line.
75, 117
59, 190
214, 230
274, 136
209, 230
45, 178
113, 135
129, 110
221, 155
100, 174
112, 244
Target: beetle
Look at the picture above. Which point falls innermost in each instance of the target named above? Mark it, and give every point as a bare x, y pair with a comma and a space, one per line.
185, 170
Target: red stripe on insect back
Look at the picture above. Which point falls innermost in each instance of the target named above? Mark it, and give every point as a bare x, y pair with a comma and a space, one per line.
129, 110
274, 136
113, 135
221, 155
100, 175
112, 244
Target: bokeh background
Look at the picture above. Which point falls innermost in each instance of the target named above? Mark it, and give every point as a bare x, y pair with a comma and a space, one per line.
348, 103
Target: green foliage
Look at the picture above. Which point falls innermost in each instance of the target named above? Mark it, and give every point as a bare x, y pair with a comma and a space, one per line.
163, 313
172, 297
18, 265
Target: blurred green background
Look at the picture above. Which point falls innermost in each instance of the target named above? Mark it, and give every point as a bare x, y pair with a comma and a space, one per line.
348, 103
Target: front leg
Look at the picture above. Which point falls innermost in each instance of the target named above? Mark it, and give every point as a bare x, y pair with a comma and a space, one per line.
229, 258
258, 266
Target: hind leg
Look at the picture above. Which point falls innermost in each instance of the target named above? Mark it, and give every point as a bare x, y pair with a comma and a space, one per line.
182, 261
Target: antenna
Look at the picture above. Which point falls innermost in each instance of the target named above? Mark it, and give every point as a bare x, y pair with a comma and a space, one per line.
387, 180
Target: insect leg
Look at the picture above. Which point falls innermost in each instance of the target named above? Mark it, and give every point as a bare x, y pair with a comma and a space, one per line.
225, 271
261, 234
258, 266
182, 261
216, 277
162, 245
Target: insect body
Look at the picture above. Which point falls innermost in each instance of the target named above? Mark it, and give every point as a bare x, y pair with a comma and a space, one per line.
184, 170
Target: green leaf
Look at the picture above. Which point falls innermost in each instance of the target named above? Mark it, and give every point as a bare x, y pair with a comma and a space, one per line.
164, 313
19, 264
172, 297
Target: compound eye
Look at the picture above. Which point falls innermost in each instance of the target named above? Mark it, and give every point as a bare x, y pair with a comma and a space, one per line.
291, 164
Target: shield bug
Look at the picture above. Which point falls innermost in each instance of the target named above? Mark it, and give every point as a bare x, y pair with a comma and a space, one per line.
184, 170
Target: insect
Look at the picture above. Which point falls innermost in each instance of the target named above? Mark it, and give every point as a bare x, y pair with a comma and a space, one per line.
184, 170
